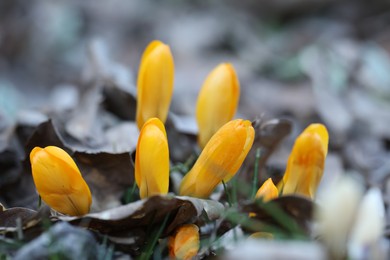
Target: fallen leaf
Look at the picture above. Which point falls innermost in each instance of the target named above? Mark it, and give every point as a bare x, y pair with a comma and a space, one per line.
120, 102
143, 213
268, 136
108, 176
8, 217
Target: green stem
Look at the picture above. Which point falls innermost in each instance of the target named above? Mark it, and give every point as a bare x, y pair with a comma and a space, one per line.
129, 195
39, 201
154, 238
227, 194
256, 173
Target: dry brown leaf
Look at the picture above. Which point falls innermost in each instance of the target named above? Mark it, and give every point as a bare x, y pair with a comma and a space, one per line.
108, 176
268, 136
8, 217
147, 212
119, 102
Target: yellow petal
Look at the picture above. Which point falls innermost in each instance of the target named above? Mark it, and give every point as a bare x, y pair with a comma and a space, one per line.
305, 165
59, 181
184, 244
220, 159
267, 191
155, 83
152, 159
217, 101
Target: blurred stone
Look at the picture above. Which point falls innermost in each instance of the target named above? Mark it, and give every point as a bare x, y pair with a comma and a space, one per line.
62, 241
64, 97
373, 72
121, 138
276, 250
329, 78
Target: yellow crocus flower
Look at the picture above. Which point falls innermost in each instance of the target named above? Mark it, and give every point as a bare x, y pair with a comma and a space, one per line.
305, 164
152, 159
217, 101
267, 191
220, 159
155, 83
184, 244
59, 181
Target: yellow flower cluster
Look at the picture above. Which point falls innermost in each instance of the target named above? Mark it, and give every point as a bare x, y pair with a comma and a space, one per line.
226, 143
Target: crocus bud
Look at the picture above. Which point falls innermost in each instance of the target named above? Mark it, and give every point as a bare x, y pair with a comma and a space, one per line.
155, 83
369, 225
336, 213
217, 101
220, 159
305, 164
152, 159
267, 191
59, 181
184, 244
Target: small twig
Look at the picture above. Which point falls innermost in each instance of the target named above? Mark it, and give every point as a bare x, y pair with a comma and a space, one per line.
19, 228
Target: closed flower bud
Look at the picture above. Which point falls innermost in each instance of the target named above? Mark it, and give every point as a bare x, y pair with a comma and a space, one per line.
217, 101
267, 191
369, 226
155, 83
336, 214
152, 159
305, 164
220, 159
59, 181
184, 244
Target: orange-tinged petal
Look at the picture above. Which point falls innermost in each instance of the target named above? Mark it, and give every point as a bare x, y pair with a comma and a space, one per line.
152, 159
262, 235
305, 165
184, 244
217, 101
155, 83
220, 159
267, 191
59, 181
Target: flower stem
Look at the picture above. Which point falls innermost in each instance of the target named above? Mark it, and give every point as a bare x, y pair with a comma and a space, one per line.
229, 200
256, 173
39, 201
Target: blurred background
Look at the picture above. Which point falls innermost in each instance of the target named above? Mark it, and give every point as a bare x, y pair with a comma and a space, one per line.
306, 60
